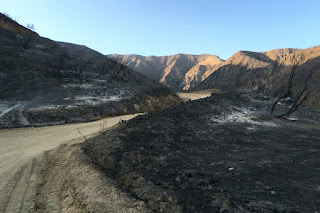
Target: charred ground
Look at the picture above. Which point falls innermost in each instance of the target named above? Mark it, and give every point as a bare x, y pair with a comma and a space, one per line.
219, 154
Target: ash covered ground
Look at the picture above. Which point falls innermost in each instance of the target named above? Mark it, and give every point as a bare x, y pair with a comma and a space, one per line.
219, 154
83, 105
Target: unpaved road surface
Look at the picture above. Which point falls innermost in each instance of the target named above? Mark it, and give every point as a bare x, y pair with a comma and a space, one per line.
23, 150
194, 95
19, 149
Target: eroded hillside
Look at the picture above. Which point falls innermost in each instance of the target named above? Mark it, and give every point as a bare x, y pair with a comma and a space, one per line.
179, 72
268, 72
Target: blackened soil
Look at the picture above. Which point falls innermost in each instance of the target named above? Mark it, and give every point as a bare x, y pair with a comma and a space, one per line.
181, 159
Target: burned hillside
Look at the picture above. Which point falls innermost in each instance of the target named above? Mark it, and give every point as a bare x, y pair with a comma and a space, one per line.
43, 82
224, 153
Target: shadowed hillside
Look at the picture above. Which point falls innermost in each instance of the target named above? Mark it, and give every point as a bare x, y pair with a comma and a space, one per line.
46, 82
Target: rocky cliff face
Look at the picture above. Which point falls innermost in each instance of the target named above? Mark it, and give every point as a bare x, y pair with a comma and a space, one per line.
179, 72
268, 72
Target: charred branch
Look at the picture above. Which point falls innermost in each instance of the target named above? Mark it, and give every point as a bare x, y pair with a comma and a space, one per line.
304, 93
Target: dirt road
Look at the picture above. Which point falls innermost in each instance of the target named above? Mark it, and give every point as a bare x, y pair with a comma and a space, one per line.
19, 149
22, 150
194, 95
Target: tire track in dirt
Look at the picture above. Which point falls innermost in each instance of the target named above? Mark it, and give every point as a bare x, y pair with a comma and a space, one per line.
15, 196
69, 182
22, 151
52, 176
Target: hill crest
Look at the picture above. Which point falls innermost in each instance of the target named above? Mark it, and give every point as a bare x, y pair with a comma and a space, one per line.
11, 25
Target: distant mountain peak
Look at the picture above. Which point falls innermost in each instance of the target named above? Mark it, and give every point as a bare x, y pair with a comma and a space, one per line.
179, 71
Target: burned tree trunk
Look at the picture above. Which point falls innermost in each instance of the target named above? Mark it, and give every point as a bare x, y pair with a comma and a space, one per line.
302, 95
116, 69
79, 72
119, 69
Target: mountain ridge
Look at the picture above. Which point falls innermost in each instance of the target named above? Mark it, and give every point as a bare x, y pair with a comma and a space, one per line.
178, 71
268, 72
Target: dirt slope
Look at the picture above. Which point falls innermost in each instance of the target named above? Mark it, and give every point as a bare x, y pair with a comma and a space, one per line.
179, 72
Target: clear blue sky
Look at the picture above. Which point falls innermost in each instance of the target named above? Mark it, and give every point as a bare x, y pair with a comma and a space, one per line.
166, 27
